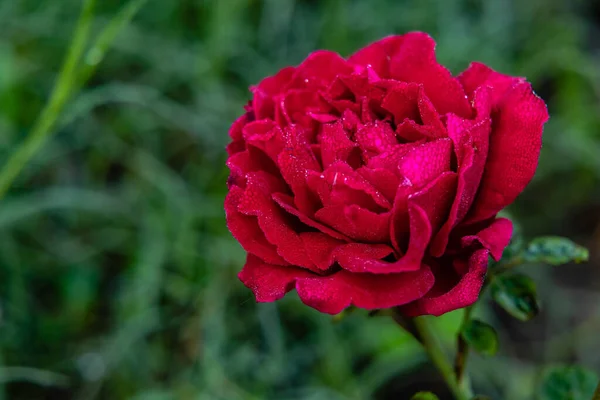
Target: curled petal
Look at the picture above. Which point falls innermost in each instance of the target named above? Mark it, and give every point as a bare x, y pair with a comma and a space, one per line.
333, 293
494, 238
452, 292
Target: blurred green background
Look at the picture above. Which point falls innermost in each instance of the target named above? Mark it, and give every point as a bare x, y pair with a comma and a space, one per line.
117, 273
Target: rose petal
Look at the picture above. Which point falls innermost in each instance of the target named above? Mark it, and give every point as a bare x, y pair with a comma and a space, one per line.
263, 104
353, 256
269, 282
447, 296
374, 138
277, 225
334, 293
320, 247
426, 162
478, 75
430, 116
357, 223
320, 69
494, 238
471, 147
402, 102
515, 146
336, 146
287, 203
294, 161
385, 181
414, 61
245, 230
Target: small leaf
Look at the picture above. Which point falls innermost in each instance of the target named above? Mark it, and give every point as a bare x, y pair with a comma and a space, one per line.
481, 336
567, 383
516, 294
424, 396
555, 250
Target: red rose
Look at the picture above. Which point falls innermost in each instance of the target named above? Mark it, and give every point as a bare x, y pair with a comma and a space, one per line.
375, 181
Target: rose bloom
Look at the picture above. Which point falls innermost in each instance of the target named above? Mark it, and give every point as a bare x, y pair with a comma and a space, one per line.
375, 181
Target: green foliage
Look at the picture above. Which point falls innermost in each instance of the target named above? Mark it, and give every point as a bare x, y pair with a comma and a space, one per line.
424, 396
554, 250
480, 336
567, 383
516, 294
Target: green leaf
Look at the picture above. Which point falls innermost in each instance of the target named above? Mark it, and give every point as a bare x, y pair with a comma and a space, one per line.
481, 397
555, 250
424, 396
481, 337
567, 383
516, 294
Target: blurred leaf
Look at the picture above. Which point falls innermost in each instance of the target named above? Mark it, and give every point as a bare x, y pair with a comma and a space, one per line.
424, 396
481, 397
516, 294
567, 383
555, 250
481, 336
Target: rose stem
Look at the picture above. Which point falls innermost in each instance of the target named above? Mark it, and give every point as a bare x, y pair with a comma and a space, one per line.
460, 362
436, 354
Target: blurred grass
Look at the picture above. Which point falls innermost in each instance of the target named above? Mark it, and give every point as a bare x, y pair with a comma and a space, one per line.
117, 273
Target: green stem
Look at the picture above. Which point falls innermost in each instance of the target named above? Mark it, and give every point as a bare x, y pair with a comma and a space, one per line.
437, 356
61, 93
460, 362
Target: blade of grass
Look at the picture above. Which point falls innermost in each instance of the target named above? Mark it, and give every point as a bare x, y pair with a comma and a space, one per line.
60, 95
71, 78
94, 56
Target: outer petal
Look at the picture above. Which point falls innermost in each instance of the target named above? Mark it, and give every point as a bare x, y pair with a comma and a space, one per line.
514, 151
414, 61
333, 293
478, 75
320, 69
263, 93
246, 230
269, 282
465, 292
